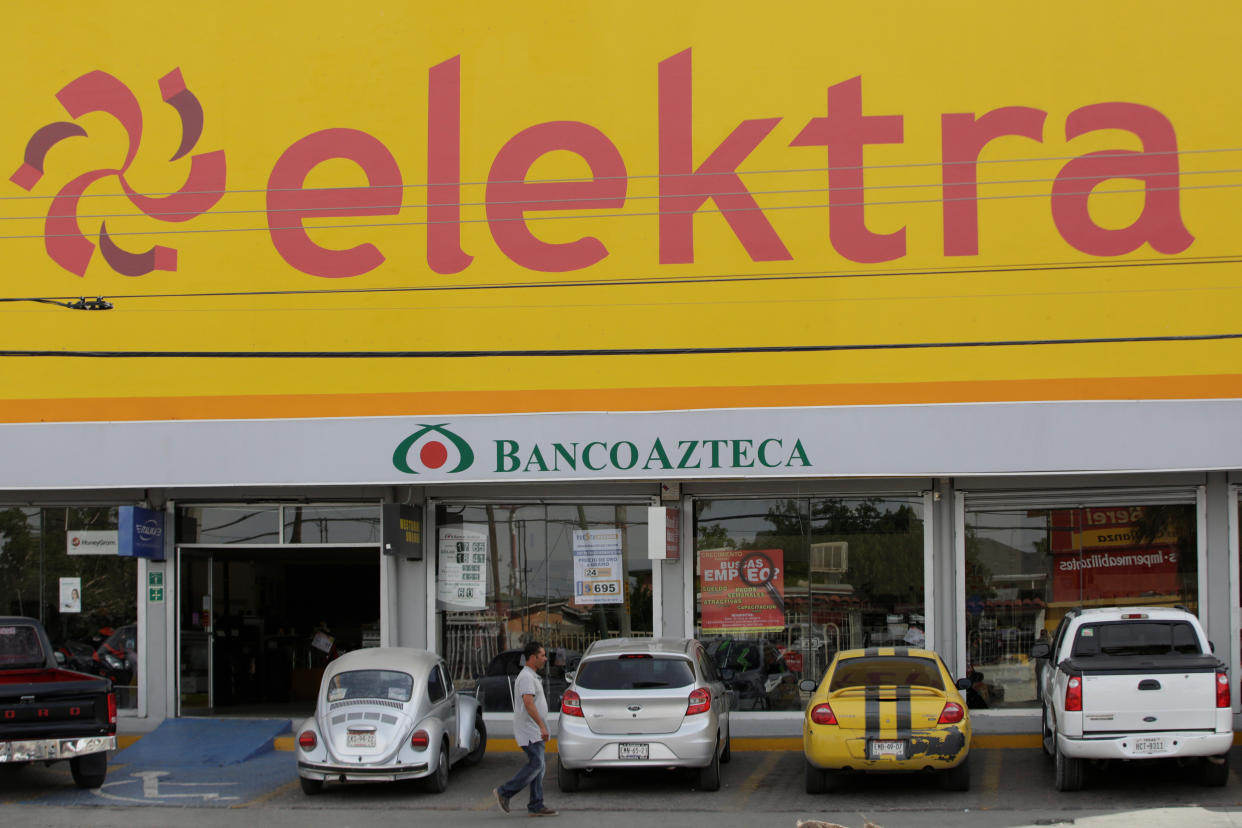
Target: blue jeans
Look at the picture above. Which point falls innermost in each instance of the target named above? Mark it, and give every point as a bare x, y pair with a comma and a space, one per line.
530, 774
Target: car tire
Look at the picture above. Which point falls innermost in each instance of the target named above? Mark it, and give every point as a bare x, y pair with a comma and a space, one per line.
1215, 773
958, 778
816, 779
727, 754
90, 770
310, 787
709, 776
1069, 772
438, 781
475, 756
569, 779
1047, 737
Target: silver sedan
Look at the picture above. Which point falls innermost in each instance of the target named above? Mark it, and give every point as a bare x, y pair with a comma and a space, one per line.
385, 714
641, 703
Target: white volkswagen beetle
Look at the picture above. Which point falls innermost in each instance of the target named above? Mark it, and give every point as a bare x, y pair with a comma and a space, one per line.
385, 714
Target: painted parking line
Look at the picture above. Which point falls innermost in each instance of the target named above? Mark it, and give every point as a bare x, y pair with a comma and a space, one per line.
751, 783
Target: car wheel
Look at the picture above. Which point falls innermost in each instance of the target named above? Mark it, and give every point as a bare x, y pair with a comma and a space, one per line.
475, 756
310, 787
1069, 772
1215, 770
816, 779
438, 781
709, 776
958, 778
89, 770
727, 753
568, 778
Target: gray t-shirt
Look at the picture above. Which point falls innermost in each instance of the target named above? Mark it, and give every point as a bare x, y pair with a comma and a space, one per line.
526, 729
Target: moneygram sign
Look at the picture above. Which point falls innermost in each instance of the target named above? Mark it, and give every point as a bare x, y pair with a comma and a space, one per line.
424, 452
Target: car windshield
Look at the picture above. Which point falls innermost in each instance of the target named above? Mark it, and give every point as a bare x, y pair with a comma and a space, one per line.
635, 673
20, 648
371, 684
879, 671
1136, 638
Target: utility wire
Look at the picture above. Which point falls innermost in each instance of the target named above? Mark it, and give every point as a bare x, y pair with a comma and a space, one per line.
531, 204
718, 278
598, 352
596, 216
657, 176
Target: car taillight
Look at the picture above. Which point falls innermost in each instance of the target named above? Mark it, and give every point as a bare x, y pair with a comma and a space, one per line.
1222, 690
420, 739
307, 740
1073, 694
952, 713
700, 701
112, 706
571, 704
822, 714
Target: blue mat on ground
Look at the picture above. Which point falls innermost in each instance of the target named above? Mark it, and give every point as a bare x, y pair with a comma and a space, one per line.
209, 742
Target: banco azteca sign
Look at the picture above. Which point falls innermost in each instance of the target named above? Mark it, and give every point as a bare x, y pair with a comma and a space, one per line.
437, 449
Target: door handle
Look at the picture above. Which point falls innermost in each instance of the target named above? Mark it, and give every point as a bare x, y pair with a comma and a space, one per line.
1149, 684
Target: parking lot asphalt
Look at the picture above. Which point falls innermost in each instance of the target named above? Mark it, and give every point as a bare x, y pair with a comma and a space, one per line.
1009, 786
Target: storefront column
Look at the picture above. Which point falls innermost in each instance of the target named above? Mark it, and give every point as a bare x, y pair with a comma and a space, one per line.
1217, 591
947, 583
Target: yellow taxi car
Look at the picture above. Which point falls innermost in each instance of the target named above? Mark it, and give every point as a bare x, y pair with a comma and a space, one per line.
886, 709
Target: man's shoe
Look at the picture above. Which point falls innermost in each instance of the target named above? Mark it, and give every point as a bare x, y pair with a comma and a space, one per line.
501, 800
544, 811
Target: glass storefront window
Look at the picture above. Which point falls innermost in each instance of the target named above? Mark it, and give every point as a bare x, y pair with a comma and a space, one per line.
1026, 567
331, 524
228, 524
782, 584
561, 574
60, 565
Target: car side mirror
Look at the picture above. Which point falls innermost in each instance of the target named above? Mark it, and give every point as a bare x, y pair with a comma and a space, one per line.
1040, 650
569, 675
1212, 646
60, 658
807, 685
963, 684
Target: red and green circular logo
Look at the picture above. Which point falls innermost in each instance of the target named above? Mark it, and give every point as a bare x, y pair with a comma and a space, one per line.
435, 446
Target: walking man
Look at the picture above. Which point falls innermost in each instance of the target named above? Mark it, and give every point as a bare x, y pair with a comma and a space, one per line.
530, 730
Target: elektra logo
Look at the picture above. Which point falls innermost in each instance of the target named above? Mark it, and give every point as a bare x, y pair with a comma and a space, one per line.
149, 531
100, 92
432, 452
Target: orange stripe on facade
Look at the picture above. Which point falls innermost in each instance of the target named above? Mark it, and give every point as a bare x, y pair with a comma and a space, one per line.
438, 403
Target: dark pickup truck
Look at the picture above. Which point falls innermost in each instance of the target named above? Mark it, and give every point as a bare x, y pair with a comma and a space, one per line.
48, 714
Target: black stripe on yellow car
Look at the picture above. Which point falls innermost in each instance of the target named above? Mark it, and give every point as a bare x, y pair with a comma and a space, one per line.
903, 713
871, 710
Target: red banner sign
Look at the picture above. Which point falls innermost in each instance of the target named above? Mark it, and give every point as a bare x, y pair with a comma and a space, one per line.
742, 590
1098, 553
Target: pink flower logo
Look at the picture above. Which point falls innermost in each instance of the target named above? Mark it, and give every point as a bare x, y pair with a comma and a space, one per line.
100, 92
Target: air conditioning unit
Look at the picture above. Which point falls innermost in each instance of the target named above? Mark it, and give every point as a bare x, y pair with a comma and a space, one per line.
831, 557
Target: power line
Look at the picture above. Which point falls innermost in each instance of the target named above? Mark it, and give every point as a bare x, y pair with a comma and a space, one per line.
719, 278
366, 209
605, 352
597, 216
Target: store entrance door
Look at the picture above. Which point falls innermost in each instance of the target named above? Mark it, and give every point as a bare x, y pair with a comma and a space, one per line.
257, 626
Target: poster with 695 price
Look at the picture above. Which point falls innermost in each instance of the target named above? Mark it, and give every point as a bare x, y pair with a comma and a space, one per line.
598, 576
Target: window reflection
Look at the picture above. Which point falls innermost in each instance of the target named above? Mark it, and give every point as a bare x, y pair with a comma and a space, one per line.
1026, 567
783, 584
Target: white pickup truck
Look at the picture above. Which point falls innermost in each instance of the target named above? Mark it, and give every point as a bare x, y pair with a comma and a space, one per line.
1133, 683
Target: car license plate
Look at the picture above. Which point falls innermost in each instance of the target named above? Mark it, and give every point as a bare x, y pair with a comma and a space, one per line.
877, 749
634, 751
1151, 745
360, 740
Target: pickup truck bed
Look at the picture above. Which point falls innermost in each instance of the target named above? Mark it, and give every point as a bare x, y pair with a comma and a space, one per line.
49, 714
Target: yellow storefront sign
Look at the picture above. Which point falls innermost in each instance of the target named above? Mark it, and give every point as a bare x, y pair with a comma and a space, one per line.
481, 207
